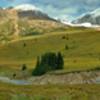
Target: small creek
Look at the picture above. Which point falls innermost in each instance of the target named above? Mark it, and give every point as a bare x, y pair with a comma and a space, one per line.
13, 81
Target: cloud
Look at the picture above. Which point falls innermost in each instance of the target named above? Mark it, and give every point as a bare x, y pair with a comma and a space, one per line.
59, 8
57, 12
67, 8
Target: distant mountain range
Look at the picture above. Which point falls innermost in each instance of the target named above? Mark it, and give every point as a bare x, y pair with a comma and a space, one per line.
91, 17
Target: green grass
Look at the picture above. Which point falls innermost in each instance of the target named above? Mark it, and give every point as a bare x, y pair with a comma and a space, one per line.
83, 49
82, 54
49, 92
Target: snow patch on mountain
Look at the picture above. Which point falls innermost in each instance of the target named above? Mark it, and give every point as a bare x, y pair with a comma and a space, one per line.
96, 12
87, 24
92, 18
26, 7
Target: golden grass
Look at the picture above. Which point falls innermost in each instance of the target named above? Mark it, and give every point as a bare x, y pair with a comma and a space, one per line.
82, 53
73, 92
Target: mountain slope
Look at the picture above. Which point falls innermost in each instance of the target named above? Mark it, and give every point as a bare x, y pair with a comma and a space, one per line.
26, 7
92, 17
80, 49
30, 11
17, 22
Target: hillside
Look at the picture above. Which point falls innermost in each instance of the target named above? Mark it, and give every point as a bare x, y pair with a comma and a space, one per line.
79, 48
16, 23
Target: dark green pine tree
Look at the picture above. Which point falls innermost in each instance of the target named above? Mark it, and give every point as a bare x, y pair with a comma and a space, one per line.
39, 69
35, 71
60, 61
38, 62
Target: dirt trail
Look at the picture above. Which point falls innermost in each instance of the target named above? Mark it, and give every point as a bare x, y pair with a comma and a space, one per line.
14, 19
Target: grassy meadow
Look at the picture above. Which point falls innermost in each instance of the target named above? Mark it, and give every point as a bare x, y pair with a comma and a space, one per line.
79, 46
80, 49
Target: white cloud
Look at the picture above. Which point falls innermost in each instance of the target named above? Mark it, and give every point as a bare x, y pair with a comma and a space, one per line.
64, 13
62, 8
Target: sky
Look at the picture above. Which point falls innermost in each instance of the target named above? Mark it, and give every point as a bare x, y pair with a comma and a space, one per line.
61, 9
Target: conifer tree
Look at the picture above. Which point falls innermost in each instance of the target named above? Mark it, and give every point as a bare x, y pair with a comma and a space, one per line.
39, 68
60, 61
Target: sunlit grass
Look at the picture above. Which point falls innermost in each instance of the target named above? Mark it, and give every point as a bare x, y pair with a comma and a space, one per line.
49, 92
82, 52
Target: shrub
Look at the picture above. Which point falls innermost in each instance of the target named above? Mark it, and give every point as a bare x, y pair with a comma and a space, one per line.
64, 37
66, 47
97, 69
24, 44
24, 67
14, 75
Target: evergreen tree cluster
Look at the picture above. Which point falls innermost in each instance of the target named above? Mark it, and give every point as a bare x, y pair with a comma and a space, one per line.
48, 62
